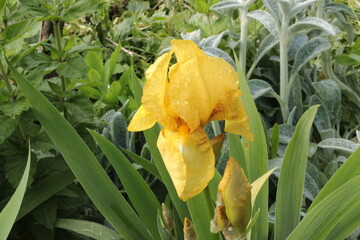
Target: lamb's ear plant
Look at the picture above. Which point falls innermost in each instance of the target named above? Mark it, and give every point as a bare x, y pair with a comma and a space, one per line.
279, 21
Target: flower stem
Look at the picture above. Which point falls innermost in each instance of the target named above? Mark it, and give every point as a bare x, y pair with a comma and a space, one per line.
6, 79
243, 38
284, 71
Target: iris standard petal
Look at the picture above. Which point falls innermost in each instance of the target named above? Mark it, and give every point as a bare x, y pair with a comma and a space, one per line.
142, 120
185, 50
196, 87
155, 91
189, 159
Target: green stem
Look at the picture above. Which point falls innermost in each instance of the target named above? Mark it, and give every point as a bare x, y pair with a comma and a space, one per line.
57, 33
6, 79
284, 71
243, 38
209, 22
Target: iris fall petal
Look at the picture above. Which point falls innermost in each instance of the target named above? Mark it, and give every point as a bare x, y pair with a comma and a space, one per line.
189, 160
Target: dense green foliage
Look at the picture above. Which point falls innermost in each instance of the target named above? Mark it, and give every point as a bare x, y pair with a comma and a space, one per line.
71, 77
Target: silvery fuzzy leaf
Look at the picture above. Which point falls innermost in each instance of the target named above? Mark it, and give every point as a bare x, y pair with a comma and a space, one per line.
212, 41
273, 8
260, 88
215, 52
227, 5
311, 23
342, 23
296, 43
308, 51
194, 36
339, 144
265, 19
299, 6
339, 7
284, 6
265, 46
322, 120
330, 94
311, 189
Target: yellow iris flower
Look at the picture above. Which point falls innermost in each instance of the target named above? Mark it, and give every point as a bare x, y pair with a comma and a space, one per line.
183, 98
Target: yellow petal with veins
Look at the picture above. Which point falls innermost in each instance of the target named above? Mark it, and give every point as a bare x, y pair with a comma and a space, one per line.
155, 97
236, 193
188, 158
185, 50
142, 120
234, 113
198, 85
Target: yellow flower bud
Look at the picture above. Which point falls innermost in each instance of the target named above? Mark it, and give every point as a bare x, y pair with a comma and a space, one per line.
189, 230
235, 190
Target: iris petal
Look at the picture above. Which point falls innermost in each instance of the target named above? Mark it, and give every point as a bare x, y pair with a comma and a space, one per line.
142, 120
189, 160
198, 85
234, 113
185, 50
155, 91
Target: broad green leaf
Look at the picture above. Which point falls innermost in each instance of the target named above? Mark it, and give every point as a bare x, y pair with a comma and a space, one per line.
339, 144
292, 176
81, 8
44, 190
13, 109
11, 210
137, 189
73, 68
15, 31
7, 126
345, 173
113, 92
87, 228
265, 19
110, 65
332, 210
45, 213
83, 163
309, 51
256, 159
94, 61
